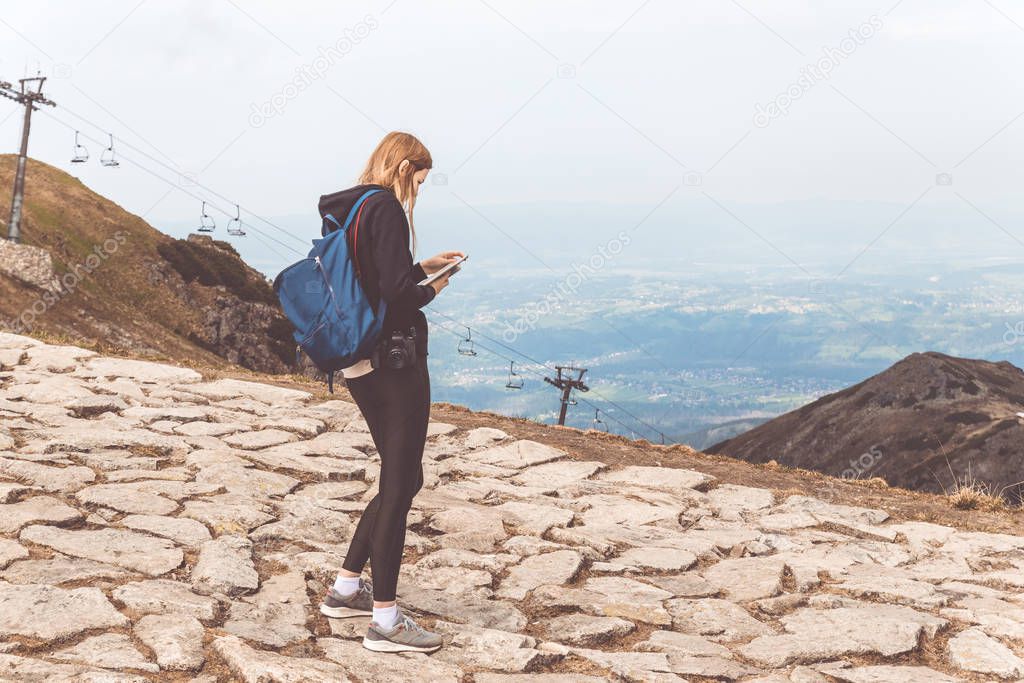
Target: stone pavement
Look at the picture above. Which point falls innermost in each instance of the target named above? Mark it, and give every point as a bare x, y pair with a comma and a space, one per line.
156, 526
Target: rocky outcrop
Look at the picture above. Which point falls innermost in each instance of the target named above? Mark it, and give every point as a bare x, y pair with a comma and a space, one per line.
158, 526
29, 264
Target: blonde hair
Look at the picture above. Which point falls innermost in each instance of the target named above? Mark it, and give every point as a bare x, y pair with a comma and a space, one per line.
383, 168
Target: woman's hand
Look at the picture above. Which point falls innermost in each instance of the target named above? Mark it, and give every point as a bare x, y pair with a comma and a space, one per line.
440, 283
435, 263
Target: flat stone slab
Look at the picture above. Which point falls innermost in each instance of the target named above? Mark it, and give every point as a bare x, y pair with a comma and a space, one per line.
325, 468
973, 650
819, 634
11, 551
60, 569
248, 481
138, 370
223, 389
48, 613
883, 673
658, 559
467, 609
204, 428
108, 650
556, 475
13, 668
554, 568
134, 551
46, 477
259, 666
225, 566
163, 596
370, 667
276, 615
39, 509
176, 640
662, 478
263, 438
747, 578
489, 649
227, 514
533, 519
517, 455
484, 436
716, 619
127, 498
611, 597
186, 532
685, 643
582, 629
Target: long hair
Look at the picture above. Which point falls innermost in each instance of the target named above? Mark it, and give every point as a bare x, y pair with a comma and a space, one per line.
383, 169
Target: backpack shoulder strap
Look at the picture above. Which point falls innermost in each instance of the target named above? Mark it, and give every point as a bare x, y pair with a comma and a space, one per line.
355, 244
335, 225
357, 207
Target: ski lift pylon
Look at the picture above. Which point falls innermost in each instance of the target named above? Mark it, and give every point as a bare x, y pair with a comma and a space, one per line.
466, 346
108, 158
206, 222
80, 154
235, 224
515, 381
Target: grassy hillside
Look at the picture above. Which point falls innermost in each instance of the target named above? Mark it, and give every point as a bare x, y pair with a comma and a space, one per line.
135, 289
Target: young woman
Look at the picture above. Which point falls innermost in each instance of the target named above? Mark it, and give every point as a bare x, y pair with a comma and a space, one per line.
395, 403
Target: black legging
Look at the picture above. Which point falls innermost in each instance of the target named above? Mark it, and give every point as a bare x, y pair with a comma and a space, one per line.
396, 406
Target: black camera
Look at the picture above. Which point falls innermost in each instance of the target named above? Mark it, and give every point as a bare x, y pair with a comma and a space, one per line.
396, 351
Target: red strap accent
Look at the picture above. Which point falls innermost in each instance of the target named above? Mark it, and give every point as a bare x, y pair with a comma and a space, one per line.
355, 240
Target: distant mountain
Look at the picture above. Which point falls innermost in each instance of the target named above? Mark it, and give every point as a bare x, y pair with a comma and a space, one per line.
926, 419
700, 439
129, 288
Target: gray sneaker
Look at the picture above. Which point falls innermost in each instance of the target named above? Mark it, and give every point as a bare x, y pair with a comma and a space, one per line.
406, 636
359, 604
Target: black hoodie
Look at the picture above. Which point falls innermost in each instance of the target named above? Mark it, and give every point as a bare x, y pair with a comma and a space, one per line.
383, 258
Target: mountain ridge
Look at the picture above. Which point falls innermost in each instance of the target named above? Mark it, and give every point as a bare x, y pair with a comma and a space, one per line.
928, 422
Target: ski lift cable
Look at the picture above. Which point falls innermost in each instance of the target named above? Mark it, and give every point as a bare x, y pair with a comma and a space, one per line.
292, 235
619, 422
193, 180
549, 369
541, 375
176, 186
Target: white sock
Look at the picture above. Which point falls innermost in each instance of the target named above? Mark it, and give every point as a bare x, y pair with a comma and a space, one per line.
386, 617
346, 585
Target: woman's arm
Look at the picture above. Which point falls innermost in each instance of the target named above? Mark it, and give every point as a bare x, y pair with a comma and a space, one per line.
398, 274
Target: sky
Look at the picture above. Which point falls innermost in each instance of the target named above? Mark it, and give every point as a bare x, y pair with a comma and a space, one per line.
646, 107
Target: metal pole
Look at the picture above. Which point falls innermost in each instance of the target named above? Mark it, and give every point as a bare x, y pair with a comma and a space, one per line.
14, 225
29, 99
565, 404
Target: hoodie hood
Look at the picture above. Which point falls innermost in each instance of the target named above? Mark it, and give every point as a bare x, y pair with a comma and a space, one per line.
338, 204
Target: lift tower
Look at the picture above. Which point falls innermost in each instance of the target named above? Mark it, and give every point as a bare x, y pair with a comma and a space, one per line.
29, 99
566, 382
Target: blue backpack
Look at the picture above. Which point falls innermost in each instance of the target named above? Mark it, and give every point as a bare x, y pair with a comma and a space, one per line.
334, 322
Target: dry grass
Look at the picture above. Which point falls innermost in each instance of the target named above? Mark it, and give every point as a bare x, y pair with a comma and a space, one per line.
971, 494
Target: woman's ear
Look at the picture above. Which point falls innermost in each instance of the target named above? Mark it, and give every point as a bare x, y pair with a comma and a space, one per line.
404, 166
